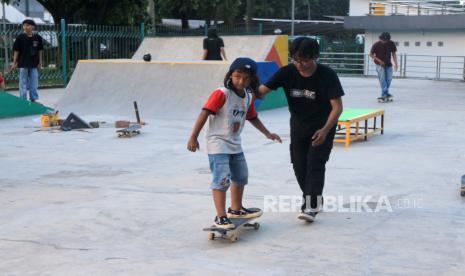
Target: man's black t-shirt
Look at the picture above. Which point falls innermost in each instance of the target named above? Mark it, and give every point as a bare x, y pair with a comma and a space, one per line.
28, 48
308, 97
213, 47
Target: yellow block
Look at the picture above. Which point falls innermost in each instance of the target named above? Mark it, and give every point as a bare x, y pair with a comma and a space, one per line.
282, 47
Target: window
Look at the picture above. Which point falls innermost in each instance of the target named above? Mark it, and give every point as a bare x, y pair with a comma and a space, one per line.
397, 43
406, 43
418, 43
429, 43
440, 43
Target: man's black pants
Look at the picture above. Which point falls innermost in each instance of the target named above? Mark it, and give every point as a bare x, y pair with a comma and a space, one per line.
309, 162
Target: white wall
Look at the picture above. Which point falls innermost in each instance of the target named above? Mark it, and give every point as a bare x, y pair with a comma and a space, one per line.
453, 42
359, 7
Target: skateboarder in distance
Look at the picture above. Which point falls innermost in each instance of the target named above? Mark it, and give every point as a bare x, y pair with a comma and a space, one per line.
226, 111
382, 52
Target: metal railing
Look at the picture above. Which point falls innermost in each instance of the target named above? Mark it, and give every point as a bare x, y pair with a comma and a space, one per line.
223, 29
416, 7
65, 44
410, 66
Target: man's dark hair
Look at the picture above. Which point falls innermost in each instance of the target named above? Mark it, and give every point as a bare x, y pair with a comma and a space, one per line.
385, 36
212, 33
305, 47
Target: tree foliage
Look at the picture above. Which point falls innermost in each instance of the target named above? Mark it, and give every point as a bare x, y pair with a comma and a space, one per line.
130, 12
126, 12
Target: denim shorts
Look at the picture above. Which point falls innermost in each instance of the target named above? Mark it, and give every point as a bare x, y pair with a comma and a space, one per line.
227, 168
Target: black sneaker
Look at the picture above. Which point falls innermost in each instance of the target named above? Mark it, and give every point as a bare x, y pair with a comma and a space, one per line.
244, 213
307, 215
224, 222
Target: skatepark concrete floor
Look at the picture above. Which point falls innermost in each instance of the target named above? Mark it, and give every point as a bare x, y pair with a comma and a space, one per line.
87, 202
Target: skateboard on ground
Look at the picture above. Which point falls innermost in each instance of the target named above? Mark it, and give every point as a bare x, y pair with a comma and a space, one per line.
232, 234
462, 187
130, 131
385, 99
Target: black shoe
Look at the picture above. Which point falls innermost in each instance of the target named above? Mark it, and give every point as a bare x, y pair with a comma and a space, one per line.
307, 215
224, 222
244, 213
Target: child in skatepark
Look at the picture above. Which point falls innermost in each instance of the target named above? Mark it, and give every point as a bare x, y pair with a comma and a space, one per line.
226, 111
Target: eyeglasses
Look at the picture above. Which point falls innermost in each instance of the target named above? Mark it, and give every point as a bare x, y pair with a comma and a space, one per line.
302, 61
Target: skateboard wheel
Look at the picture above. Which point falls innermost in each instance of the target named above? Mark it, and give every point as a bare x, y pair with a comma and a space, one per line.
233, 238
211, 236
256, 225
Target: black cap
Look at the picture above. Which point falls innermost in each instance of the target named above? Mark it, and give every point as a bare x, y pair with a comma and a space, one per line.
244, 63
29, 21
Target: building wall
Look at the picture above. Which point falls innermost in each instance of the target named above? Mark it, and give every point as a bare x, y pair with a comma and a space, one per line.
453, 42
359, 7
35, 9
423, 61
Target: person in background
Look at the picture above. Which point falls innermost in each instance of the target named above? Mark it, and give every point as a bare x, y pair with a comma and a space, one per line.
213, 46
27, 56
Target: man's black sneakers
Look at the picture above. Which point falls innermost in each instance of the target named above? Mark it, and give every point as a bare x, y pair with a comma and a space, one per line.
224, 222
307, 215
244, 213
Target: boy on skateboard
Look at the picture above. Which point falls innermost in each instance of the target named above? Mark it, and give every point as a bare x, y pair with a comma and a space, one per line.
226, 111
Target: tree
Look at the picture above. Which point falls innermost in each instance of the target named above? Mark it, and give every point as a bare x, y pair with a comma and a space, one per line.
126, 12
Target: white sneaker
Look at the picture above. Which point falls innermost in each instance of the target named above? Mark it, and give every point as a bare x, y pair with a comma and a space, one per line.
307, 215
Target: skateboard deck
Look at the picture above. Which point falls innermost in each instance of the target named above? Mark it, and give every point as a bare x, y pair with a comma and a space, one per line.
462, 187
232, 234
385, 100
130, 131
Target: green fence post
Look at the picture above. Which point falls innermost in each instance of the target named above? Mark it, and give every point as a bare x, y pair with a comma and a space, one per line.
142, 31
260, 28
63, 52
205, 29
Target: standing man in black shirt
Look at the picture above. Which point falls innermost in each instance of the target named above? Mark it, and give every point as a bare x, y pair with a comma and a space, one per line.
382, 52
313, 92
213, 46
28, 58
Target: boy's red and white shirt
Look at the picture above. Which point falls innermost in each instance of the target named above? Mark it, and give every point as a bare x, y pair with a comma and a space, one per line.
225, 125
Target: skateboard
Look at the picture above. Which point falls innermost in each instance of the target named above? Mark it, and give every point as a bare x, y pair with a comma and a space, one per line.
462, 188
385, 99
232, 234
129, 132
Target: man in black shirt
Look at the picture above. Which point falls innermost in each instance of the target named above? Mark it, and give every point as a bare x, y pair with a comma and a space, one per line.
28, 58
213, 46
382, 52
313, 92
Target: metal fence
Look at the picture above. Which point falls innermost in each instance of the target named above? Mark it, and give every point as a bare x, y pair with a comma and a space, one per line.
65, 44
416, 7
410, 66
223, 29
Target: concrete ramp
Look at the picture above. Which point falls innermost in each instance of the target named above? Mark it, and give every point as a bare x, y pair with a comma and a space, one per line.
259, 48
108, 88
